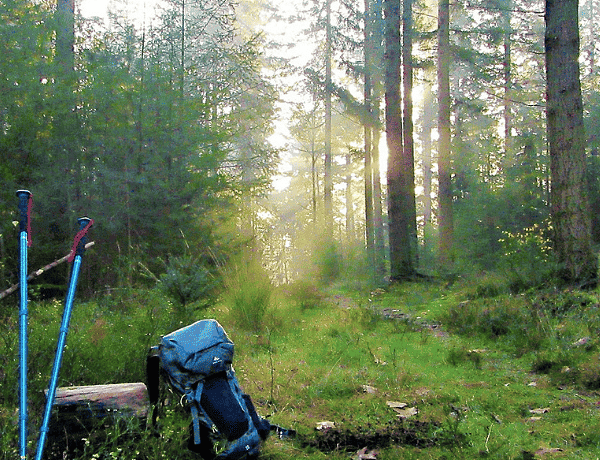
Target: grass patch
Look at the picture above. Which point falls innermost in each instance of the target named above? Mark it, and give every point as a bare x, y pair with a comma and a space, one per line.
304, 294
248, 294
491, 375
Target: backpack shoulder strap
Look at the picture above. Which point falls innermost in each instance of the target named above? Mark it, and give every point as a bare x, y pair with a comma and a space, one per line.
153, 374
153, 380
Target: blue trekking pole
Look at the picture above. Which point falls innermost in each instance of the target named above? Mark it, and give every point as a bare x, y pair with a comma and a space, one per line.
25, 202
76, 255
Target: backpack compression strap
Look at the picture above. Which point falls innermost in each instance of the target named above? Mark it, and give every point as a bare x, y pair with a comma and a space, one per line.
193, 398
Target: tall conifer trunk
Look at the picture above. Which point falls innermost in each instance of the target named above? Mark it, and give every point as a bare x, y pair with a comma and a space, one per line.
507, 62
445, 213
350, 226
399, 205
566, 140
328, 180
427, 124
368, 131
372, 94
377, 78
408, 154
377, 205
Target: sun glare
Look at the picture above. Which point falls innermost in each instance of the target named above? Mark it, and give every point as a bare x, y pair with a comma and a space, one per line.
91, 8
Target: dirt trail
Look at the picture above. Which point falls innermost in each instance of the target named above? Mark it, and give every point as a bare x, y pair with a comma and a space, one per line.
418, 322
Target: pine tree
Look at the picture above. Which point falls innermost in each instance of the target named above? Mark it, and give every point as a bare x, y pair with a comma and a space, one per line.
566, 140
445, 213
400, 167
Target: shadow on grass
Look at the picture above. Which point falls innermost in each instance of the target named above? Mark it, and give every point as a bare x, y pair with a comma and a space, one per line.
413, 433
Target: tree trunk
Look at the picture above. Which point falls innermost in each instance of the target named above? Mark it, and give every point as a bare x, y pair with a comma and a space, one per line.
507, 77
445, 213
66, 122
368, 130
129, 399
377, 206
566, 140
408, 155
592, 35
377, 38
182, 53
314, 177
350, 227
399, 212
79, 410
328, 180
427, 124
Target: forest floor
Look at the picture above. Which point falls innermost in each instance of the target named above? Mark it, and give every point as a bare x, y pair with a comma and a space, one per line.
413, 371
421, 372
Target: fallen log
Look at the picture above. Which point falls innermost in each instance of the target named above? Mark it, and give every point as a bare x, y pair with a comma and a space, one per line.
124, 399
37, 273
86, 413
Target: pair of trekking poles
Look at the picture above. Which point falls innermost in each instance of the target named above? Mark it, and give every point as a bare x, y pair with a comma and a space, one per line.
25, 205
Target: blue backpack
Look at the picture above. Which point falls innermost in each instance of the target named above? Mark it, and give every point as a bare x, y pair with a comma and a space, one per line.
197, 362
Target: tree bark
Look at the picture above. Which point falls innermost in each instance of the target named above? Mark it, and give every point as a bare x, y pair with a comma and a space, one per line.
507, 62
328, 180
399, 212
129, 399
377, 206
427, 123
578, 263
408, 154
350, 226
314, 175
368, 130
377, 38
445, 213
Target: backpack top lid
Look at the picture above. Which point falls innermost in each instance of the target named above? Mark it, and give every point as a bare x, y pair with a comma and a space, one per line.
191, 354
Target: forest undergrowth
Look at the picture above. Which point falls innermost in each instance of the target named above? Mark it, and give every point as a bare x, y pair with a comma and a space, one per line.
412, 371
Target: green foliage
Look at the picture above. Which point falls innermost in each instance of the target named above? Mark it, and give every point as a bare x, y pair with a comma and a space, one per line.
450, 433
125, 438
503, 319
491, 208
190, 279
589, 373
248, 293
107, 342
327, 260
356, 271
137, 139
486, 285
457, 356
557, 329
305, 294
528, 258
552, 361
